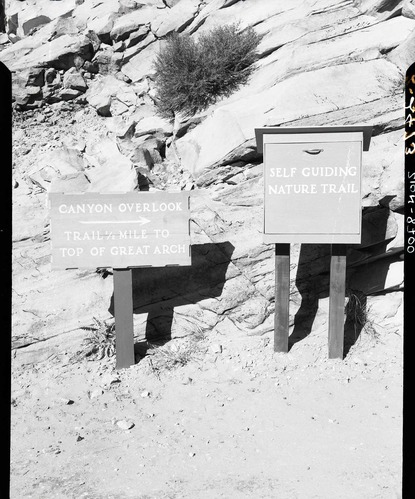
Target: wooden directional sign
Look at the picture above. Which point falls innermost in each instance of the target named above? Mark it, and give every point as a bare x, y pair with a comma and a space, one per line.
135, 229
312, 182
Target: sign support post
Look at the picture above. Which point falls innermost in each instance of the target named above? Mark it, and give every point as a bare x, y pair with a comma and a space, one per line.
337, 296
123, 316
282, 297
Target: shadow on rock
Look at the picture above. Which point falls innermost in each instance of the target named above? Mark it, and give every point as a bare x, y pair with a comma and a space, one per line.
368, 268
157, 291
356, 318
313, 266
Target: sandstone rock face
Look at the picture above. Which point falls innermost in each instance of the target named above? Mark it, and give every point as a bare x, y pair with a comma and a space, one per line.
110, 172
55, 165
73, 79
31, 15
94, 14
108, 95
59, 53
176, 19
318, 64
130, 22
408, 9
140, 66
278, 105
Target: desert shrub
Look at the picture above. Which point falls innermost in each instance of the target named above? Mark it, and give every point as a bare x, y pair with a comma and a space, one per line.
190, 75
178, 353
101, 341
358, 314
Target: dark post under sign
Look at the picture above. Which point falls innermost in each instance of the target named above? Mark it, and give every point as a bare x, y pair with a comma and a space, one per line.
336, 304
123, 315
282, 297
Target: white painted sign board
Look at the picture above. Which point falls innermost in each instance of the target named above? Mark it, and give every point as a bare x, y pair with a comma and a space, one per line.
312, 183
134, 229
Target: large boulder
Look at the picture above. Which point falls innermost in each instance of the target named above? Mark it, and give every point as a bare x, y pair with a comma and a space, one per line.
53, 165
402, 55
323, 48
175, 19
153, 125
109, 170
104, 91
56, 46
103, 25
392, 180
26, 87
97, 16
378, 185
31, 22
128, 23
247, 13
408, 8
141, 65
60, 53
74, 79
135, 45
382, 9
204, 11
22, 48
31, 15
105, 61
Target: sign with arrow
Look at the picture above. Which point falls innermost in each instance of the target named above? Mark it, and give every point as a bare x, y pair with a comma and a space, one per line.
134, 229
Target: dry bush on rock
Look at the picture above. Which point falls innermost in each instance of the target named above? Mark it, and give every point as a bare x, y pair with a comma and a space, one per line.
101, 341
358, 314
179, 352
191, 75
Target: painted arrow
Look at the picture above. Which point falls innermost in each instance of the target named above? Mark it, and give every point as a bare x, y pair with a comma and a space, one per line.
140, 221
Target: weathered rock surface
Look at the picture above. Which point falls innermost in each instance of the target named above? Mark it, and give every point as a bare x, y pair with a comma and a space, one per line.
106, 90
232, 125
131, 22
97, 16
59, 53
30, 15
319, 64
141, 65
110, 171
55, 164
175, 19
73, 79
408, 9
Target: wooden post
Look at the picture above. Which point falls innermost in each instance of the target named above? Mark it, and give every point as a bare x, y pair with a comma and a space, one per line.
282, 297
337, 296
123, 314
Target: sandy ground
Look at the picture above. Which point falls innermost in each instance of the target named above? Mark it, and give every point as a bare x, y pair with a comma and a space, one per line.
236, 421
